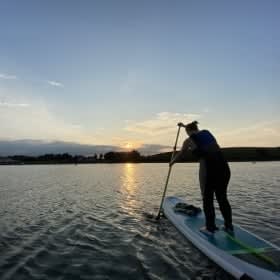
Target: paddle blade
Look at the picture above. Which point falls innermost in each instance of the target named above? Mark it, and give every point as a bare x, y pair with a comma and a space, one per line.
160, 214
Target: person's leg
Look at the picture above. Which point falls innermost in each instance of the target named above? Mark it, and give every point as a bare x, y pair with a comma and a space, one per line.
221, 196
207, 196
208, 207
202, 175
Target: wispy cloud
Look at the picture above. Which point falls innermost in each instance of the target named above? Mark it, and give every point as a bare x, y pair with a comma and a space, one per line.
38, 122
7, 77
162, 123
55, 84
266, 133
148, 149
7, 104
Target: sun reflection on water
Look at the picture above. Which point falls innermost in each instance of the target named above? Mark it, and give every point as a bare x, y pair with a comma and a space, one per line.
129, 188
128, 178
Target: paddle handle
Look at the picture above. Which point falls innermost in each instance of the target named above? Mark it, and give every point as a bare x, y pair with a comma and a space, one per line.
169, 172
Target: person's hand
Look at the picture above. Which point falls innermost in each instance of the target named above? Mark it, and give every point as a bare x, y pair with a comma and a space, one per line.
181, 124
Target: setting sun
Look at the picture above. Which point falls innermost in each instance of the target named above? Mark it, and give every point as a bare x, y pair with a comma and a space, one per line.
128, 145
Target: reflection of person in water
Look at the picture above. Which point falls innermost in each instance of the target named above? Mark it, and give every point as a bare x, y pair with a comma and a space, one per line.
214, 174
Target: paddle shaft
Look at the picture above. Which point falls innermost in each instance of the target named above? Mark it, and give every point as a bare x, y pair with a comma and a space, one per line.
169, 172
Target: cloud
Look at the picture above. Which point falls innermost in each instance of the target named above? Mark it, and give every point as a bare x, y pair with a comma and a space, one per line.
149, 149
265, 133
13, 77
7, 104
162, 123
7, 77
55, 84
127, 143
40, 147
36, 121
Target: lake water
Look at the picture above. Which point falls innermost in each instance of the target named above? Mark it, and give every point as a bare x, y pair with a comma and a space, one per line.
91, 222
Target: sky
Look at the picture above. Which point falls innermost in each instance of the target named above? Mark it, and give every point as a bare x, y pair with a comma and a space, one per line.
123, 73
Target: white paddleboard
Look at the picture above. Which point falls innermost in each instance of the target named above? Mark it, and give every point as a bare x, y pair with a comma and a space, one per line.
243, 254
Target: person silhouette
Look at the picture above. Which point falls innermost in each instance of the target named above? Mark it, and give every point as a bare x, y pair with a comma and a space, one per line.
214, 174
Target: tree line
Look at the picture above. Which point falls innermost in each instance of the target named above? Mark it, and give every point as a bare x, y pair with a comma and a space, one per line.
109, 157
231, 154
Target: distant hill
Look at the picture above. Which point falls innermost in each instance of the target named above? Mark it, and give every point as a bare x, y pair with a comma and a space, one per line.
231, 154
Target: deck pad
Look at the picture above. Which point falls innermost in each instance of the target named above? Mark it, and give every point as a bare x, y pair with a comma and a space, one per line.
242, 244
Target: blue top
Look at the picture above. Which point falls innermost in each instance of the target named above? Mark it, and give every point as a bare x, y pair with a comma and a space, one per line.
202, 139
206, 144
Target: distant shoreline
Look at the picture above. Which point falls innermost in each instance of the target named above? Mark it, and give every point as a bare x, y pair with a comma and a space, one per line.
112, 163
239, 154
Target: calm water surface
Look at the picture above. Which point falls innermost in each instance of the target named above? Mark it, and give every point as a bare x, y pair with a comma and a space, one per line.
91, 222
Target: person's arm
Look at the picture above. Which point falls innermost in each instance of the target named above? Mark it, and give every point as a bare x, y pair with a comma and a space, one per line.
182, 152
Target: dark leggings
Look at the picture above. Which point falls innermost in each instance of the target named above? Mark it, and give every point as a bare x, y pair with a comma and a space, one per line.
216, 182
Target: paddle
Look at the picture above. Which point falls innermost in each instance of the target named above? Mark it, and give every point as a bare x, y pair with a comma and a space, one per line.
169, 172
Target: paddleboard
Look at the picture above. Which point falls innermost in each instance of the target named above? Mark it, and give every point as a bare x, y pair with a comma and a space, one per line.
243, 254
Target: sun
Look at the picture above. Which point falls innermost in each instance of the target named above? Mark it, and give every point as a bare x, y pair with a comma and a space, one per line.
128, 145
